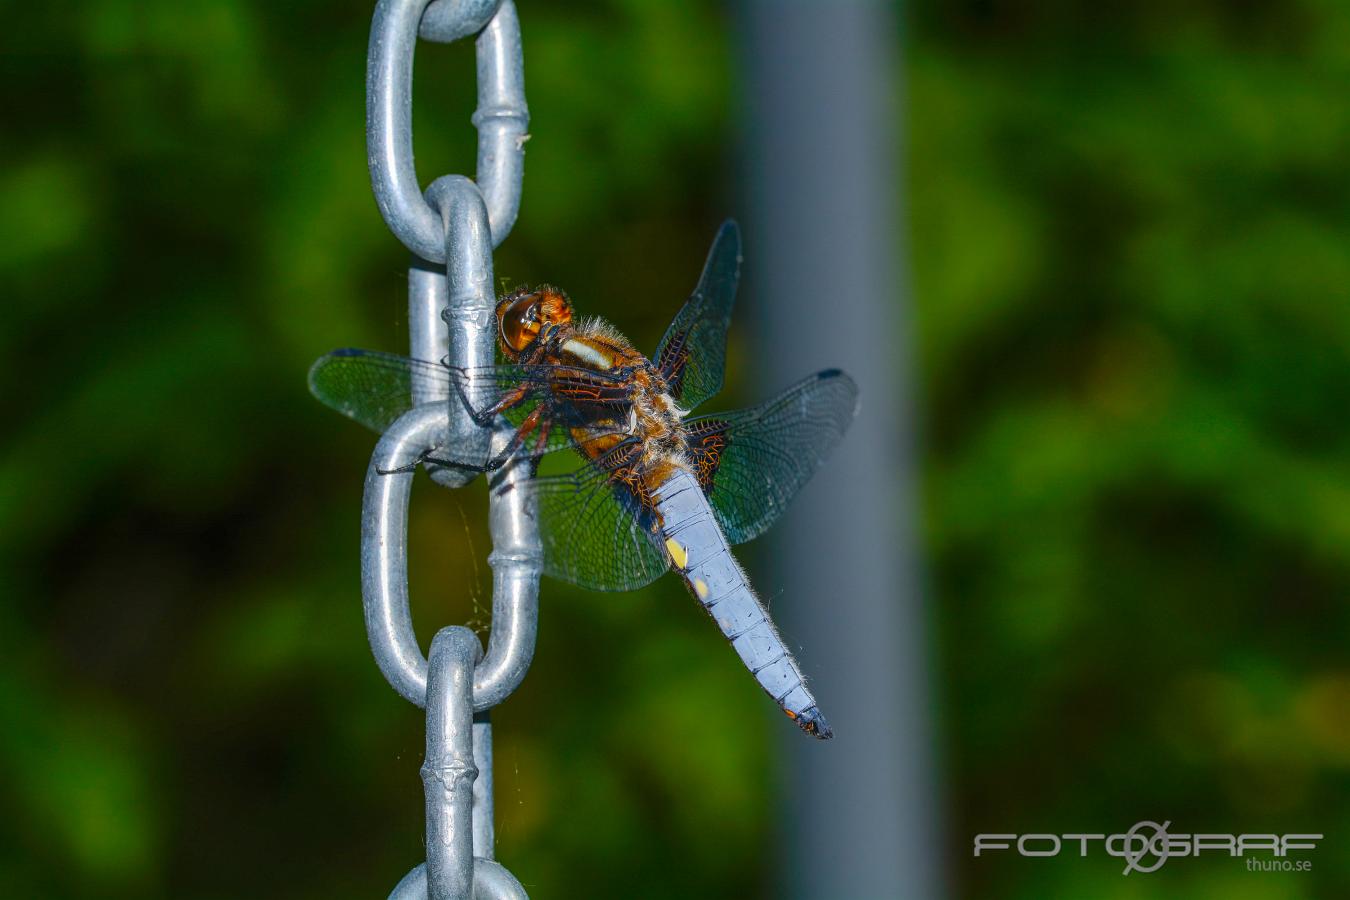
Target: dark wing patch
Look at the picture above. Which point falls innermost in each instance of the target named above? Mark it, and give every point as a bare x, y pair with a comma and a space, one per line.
752, 462
707, 440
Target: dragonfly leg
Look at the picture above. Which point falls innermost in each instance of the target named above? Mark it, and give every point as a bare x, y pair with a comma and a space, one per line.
403, 470
530, 423
541, 440
484, 418
491, 465
426, 458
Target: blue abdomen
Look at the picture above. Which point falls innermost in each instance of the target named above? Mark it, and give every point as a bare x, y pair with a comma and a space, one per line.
697, 549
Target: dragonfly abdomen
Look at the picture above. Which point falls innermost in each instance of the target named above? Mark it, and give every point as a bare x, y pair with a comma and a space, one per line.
699, 551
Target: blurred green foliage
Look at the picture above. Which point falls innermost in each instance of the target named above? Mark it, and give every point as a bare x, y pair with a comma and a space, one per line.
1130, 232
1131, 241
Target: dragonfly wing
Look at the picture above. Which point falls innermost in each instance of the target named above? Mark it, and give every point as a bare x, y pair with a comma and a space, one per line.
595, 533
693, 353
376, 388
371, 388
752, 462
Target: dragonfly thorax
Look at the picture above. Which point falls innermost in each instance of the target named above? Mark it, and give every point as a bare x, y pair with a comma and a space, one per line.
652, 418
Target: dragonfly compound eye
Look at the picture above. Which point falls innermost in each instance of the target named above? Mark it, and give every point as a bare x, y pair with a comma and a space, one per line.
520, 322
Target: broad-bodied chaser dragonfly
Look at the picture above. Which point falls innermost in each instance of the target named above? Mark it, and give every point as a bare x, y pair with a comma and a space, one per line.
657, 489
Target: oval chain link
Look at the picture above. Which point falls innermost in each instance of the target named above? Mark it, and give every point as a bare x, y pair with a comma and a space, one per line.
502, 118
451, 229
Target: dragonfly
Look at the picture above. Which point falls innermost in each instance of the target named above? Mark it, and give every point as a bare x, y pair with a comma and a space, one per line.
654, 488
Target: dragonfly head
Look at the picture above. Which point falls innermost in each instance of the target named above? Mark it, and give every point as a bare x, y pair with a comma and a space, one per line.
525, 314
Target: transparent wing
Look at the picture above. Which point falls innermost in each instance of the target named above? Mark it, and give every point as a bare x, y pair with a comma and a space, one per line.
372, 388
376, 388
752, 462
693, 353
595, 532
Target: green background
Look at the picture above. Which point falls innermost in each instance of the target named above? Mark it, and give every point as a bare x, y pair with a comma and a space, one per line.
1129, 231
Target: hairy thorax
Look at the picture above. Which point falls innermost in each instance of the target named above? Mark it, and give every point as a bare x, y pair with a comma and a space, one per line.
654, 419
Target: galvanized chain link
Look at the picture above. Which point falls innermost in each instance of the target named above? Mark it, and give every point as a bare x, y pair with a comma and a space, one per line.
451, 230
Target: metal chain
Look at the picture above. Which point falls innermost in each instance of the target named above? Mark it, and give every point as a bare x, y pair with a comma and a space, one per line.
451, 230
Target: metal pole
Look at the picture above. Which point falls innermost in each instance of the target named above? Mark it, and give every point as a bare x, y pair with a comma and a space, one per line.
827, 289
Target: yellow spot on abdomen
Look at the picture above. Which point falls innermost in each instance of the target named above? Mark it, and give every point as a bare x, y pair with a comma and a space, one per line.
678, 554
701, 588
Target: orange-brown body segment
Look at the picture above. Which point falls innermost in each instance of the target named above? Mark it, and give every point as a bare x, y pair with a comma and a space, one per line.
536, 327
